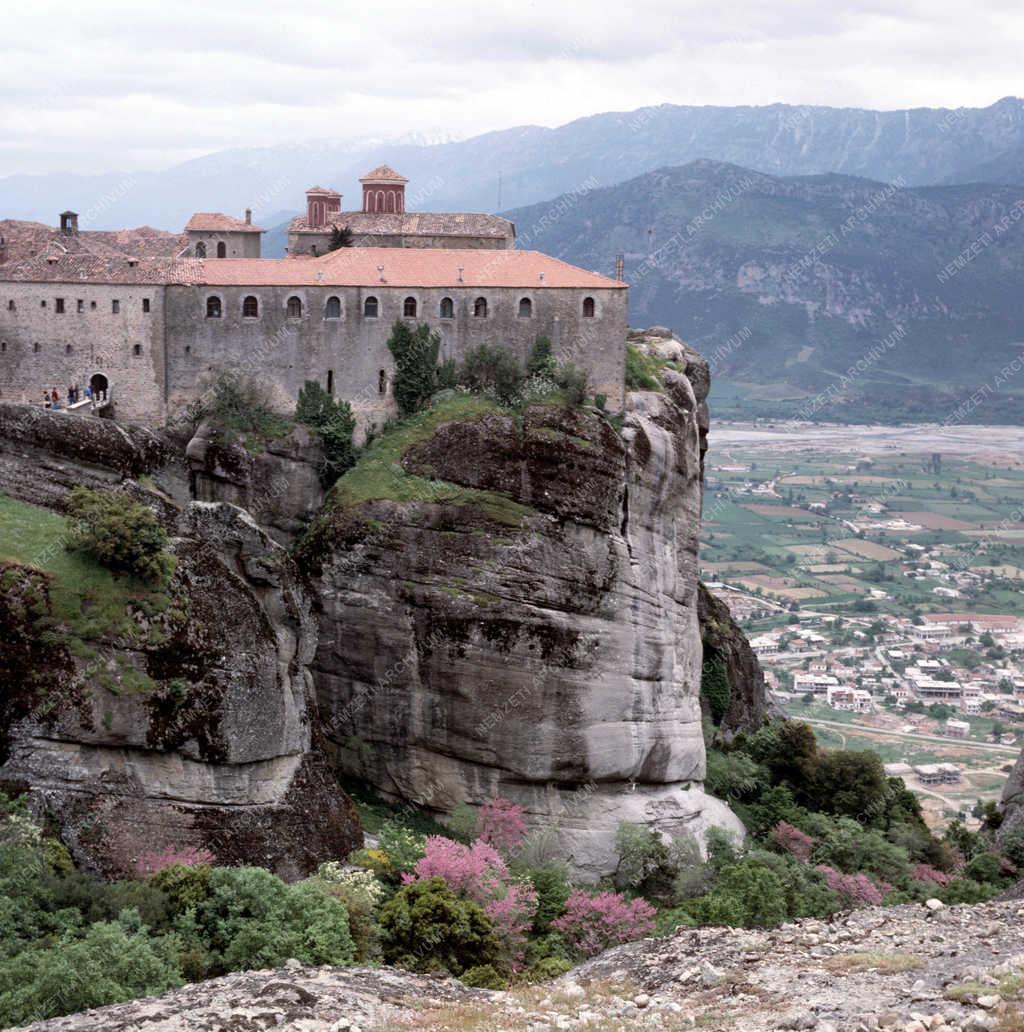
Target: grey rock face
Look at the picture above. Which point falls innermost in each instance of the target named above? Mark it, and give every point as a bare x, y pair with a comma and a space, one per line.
215, 748
549, 653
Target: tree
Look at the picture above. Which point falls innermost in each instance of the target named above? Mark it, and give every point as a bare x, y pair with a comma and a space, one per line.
340, 237
118, 533
333, 423
849, 783
415, 353
493, 371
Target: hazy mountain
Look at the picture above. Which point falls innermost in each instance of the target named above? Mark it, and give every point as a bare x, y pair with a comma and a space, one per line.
923, 145
895, 302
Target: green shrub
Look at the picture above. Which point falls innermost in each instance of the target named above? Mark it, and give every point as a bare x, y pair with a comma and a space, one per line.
483, 976
548, 969
572, 382
119, 534
715, 687
333, 423
252, 919
239, 407
415, 353
184, 885
427, 928
748, 895
641, 853
493, 371
462, 823
112, 962
541, 362
551, 883
733, 775
849, 782
363, 925
985, 867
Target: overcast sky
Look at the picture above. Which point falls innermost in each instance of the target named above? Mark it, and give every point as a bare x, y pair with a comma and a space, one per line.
107, 84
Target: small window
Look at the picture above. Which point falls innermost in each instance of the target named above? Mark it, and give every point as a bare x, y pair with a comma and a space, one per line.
213, 308
480, 308
92, 306
145, 305
525, 308
200, 250
447, 308
42, 304
60, 305
330, 381
409, 307
188, 349
115, 307
3, 346
382, 382
11, 306
370, 308
250, 307
332, 310
67, 349
314, 250
222, 250
35, 347
137, 349
81, 305
588, 308
294, 308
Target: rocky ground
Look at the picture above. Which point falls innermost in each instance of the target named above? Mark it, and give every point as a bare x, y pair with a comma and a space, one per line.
907, 969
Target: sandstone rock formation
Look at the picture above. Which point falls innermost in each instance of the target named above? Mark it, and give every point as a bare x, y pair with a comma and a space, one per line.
190, 720
533, 631
906, 969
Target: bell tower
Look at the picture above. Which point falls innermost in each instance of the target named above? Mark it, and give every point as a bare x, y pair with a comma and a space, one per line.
384, 191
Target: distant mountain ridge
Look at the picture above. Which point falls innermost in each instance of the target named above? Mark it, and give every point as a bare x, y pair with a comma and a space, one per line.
822, 296
917, 146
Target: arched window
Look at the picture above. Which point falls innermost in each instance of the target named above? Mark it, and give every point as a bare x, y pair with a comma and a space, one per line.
200, 250
391, 200
332, 310
447, 308
370, 308
480, 308
213, 308
250, 307
588, 308
294, 308
222, 249
409, 307
525, 308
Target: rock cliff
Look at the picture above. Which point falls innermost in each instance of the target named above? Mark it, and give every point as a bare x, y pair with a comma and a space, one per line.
179, 718
516, 613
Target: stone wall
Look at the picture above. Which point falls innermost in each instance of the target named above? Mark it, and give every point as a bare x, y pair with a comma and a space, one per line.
244, 244
284, 351
305, 242
41, 348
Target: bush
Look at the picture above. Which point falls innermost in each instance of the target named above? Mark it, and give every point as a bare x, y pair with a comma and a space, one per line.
427, 928
415, 353
641, 371
592, 923
548, 969
541, 362
119, 534
239, 407
641, 853
333, 423
501, 824
572, 382
112, 962
714, 686
733, 775
184, 886
483, 976
402, 849
361, 893
748, 895
850, 783
551, 883
493, 371
252, 919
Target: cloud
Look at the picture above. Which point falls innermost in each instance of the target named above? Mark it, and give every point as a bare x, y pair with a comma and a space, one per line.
112, 84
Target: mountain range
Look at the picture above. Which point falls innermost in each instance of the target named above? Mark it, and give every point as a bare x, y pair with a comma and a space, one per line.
821, 296
523, 165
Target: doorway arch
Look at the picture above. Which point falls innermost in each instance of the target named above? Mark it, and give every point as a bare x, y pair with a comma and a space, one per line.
100, 386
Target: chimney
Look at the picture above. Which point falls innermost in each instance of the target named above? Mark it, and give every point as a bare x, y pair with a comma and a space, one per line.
248, 216
69, 223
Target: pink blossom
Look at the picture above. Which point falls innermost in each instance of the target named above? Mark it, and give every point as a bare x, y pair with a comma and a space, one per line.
592, 923
501, 824
926, 873
187, 856
793, 841
857, 890
476, 871
512, 917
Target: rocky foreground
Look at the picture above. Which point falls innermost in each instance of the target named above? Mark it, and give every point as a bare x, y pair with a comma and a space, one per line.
909, 968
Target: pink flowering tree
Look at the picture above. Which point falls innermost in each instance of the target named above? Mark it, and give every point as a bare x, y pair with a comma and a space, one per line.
856, 890
187, 856
479, 873
793, 841
929, 875
592, 923
500, 823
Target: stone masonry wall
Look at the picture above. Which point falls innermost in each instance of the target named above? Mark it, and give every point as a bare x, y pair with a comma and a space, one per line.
42, 348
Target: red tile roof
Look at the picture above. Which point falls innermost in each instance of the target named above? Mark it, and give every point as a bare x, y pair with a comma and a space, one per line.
422, 223
215, 221
406, 267
323, 190
383, 174
346, 267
